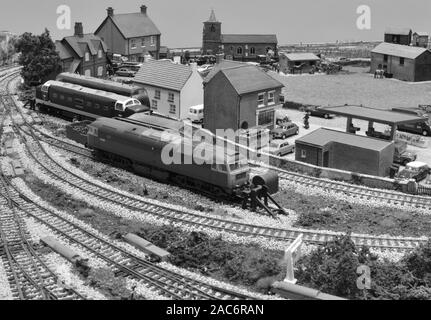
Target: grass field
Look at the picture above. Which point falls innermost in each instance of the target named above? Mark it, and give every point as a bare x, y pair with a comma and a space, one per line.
356, 86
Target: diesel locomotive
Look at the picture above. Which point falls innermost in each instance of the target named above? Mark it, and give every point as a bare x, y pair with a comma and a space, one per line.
75, 101
128, 90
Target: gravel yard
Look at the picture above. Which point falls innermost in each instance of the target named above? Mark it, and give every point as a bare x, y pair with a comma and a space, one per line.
356, 86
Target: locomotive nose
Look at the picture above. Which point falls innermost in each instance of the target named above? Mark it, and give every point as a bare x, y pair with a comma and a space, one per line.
136, 109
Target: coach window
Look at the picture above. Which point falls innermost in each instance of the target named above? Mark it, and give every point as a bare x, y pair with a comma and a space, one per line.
89, 104
55, 96
61, 97
79, 101
97, 106
69, 99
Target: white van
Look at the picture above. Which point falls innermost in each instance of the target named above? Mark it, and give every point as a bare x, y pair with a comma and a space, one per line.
196, 113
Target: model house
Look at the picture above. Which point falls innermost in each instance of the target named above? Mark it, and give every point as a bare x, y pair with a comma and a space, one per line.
83, 53
172, 88
132, 35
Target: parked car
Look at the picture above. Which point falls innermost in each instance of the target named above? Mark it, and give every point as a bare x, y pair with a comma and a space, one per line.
280, 148
196, 113
284, 131
318, 112
401, 155
422, 128
123, 72
415, 170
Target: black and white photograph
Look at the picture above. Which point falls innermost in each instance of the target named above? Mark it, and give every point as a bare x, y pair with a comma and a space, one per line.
244, 153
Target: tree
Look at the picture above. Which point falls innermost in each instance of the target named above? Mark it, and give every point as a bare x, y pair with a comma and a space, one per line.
38, 58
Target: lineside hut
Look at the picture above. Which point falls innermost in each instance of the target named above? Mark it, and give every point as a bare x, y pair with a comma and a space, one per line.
345, 151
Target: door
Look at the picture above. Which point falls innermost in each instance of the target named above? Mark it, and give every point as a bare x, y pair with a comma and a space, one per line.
326, 159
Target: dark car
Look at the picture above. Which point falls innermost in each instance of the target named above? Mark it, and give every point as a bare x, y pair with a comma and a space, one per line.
123, 72
284, 131
318, 112
414, 170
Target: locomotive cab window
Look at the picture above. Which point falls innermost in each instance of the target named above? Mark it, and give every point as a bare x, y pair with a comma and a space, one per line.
119, 106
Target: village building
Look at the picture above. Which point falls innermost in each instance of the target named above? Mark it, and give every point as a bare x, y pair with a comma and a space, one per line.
297, 62
172, 88
133, 35
407, 63
345, 151
240, 96
420, 39
398, 36
82, 53
242, 47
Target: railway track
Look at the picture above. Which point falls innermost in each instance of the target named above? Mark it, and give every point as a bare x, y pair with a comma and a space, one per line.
124, 263
32, 279
193, 219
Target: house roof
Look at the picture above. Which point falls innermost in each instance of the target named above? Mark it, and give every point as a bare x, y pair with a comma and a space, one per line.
133, 25
63, 51
323, 136
371, 114
79, 44
399, 50
301, 56
398, 30
224, 64
247, 79
421, 34
249, 38
163, 74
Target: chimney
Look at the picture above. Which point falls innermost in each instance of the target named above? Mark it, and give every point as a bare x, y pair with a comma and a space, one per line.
144, 9
219, 58
110, 11
79, 30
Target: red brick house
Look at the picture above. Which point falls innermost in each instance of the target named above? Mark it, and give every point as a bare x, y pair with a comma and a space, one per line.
132, 35
240, 96
83, 53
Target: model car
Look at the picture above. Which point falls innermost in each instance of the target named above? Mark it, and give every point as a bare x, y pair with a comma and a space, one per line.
415, 170
284, 131
318, 112
123, 72
280, 148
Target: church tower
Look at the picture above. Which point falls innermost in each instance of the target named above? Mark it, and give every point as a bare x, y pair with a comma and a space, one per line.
211, 43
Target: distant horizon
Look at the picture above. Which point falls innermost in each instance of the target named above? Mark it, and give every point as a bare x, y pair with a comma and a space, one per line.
293, 21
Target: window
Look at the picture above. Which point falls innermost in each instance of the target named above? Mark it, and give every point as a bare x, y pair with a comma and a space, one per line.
143, 42
79, 101
401, 61
87, 73
157, 94
239, 50
385, 58
69, 99
119, 106
153, 40
154, 104
231, 48
133, 44
172, 109
87, 56
303, 154
171, 97
99, 54
100, 71
252, 50
266, 118
271, 97
261, 100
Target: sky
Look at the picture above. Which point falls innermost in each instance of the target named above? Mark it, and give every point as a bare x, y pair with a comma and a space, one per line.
180, 21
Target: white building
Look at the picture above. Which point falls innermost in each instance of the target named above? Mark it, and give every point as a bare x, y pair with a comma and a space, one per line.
172, 88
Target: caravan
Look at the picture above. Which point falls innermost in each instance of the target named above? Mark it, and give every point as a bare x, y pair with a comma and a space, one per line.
196, 113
